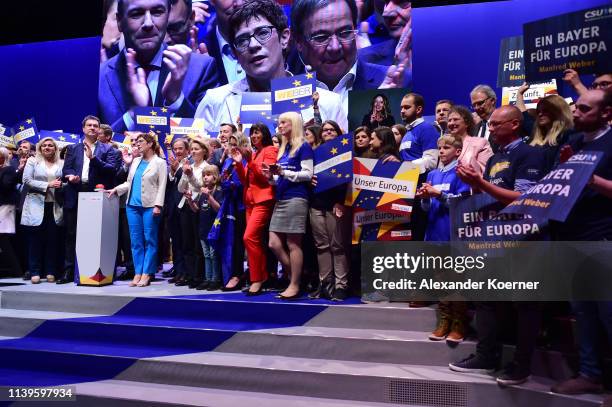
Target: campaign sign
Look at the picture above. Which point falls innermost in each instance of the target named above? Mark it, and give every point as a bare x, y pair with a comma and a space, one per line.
60, 138
6, 139
386, 187
256, 107
333, 163
374, 225
479, 218
532, 96
293, 93
186, 127
511, 70
556, 194
25, 130
156, 119
581, 40
122, 141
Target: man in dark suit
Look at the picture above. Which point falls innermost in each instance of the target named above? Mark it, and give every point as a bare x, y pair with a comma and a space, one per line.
86, 165
148, 72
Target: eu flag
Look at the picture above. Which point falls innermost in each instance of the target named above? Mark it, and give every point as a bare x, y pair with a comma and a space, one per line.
185, 127
257, 107
26, 130
6, 138
122, 141
154, 119
293, 93
333, 163
60, 138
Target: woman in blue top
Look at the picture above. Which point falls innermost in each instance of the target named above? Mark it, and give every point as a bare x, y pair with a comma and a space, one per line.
146, 187
292, 175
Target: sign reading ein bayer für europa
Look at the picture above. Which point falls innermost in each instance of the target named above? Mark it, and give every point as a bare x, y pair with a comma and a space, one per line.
511, 71
554, 196
580, 40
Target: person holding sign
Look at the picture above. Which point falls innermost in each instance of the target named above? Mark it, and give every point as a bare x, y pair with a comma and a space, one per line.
259, 35
590, 220
511, 171
291, 175
146, 189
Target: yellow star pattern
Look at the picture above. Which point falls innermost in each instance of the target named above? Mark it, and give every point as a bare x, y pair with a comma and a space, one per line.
164, 110
73, 136
263, 113
344, 141
153, 113
217, 223
339, 175
309, 75
333, 171
21, 128
302, 106
295, 101
29, 121
297, 83
62, 138
151, 126
334, 150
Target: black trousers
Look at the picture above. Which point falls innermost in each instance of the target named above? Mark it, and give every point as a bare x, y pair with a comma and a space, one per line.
192, 249
238, 249
43, 241
9, 262
176, 238
487, 326
70, 226
125, 246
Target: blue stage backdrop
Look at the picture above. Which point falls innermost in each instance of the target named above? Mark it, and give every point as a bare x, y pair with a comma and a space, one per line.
56, 82
457, 47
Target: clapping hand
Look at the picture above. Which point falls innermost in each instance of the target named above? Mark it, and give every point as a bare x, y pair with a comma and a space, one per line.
469, 175
176, 58
265, 170
88, 151
201, 11
73, 179
193, 40
136, 80
187, 170
126, 156
56, 183
236, 155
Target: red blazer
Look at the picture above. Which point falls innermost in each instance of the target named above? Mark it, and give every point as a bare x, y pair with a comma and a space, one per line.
257, 189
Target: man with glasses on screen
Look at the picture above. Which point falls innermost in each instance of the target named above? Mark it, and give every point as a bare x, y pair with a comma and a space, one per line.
325, 35
259, 36
149, 73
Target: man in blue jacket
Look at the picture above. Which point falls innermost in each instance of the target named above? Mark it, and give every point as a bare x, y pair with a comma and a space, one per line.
86, 165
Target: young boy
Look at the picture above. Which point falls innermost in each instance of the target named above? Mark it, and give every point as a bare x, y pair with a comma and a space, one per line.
443, 184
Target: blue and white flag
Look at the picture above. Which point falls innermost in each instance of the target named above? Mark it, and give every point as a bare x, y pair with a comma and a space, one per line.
256, 107
60, 138
293, 93
6, 138
26, 130
333, 163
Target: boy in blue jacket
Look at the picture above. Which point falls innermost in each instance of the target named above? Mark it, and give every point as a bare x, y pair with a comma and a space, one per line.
443, 184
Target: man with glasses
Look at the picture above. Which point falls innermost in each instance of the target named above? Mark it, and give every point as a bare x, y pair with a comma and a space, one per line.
483, 100
511, 171
325, 35
180, 22
260, 37
602, 81
149, 73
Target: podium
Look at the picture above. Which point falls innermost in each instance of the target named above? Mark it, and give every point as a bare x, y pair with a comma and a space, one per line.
96, 238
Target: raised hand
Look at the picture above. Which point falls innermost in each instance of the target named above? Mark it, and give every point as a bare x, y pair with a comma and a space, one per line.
201, 11
523, 88
315, 99
174, 163
176, 58
193, 42
88, 151
394, 77
236, 155
187, 170
136, 81
403, 49
126, 156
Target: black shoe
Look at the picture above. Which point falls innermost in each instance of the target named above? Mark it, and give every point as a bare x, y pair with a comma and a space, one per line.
237, 287
128, 275
203, 286
513, 374
255, 293
473, 364
65, 279
214, 286
181, 282
169, 273
339, 295
194, 283
290, 297
27, 276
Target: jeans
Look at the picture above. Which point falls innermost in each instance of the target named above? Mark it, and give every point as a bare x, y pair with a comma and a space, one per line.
144, 228
590, 316
212, 266
43, 244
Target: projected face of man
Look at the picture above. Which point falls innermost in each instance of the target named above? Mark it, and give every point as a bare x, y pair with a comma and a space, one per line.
333, 60
143, 24
224, 10
397, 14
179, 23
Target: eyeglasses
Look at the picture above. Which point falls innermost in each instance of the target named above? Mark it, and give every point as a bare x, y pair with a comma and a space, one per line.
479, 103
323, 39
498, 124
261, 34
601, 85
329, 130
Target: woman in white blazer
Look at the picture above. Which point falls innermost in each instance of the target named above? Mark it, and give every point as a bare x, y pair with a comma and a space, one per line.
146, 188
42, 208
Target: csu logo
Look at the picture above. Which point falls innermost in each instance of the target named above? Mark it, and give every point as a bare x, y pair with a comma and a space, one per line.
597, 13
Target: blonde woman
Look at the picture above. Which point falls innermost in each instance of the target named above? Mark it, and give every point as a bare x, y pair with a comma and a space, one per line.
145, 188
189, 185
42, 208
292, 175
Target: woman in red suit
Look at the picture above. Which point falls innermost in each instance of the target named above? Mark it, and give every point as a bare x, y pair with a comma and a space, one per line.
259, 201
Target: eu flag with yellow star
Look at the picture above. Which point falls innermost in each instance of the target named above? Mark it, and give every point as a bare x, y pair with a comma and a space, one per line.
383, 186
293, 93
122, 141
26, 130
60, 138
6, 138
154, 119
256, 107
333, 163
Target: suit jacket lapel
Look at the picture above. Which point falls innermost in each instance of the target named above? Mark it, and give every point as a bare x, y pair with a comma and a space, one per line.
117, 80
163, 74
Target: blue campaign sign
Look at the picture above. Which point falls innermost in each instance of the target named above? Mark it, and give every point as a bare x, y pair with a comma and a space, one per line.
511, 70
256, 107
333, 163
580, 40
156, 120
25, 130
479, 218
293, 93
61, 139
556, 194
